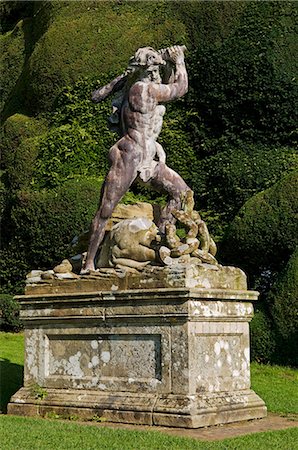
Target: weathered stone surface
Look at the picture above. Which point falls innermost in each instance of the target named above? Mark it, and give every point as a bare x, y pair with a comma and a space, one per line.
64, 267
128, 244
152, 277
121, 212
171, 356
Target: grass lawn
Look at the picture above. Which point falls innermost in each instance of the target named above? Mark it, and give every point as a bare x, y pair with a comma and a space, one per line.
276, 385
11, 366
27, 433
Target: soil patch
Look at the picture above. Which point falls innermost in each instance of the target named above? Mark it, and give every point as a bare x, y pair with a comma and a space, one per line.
217, 432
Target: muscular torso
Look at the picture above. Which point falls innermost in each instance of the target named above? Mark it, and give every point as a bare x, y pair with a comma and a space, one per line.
142, 118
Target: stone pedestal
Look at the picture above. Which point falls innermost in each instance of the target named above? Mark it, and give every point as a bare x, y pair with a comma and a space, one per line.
166, 356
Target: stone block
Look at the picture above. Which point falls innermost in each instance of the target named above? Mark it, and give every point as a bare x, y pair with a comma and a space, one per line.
171, 356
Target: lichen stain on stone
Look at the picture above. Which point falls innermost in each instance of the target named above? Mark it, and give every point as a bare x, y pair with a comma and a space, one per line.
70, 367
246, 353
240, 309
95, 361
217, 348
244, 366
31, 349
105, 356
192, 283
94, 344
154, 382
206, 283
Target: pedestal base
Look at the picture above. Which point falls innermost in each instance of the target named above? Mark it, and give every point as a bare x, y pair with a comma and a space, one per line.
171, 357
144, 409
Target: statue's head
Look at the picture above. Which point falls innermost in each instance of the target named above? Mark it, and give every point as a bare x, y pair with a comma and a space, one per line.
146, 57
147, 60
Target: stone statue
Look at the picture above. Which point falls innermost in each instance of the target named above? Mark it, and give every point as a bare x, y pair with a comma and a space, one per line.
197, 243
138, 114
129, 245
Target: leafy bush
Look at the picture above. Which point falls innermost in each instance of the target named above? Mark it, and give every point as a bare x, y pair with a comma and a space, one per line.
265, 232
42, 226
12, 61
283, 302
19, 148
245, 87
9, 314
262, 338
226, 180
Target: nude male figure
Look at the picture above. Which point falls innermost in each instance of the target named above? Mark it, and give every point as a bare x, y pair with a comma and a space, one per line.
137, 153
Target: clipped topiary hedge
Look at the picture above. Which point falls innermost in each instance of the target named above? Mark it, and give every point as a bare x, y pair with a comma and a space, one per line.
12, 61
264, 234
228, 179
42, 226
9, 314
85, 38
19, 148
262, 338
283, 301
244, 87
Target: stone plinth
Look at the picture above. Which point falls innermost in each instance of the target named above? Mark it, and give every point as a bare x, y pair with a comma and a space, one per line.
169, 356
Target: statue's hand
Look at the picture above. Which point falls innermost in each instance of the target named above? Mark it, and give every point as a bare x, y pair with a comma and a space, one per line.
99, 94
176, 54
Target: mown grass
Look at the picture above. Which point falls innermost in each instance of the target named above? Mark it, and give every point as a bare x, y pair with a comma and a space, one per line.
11, 366
27, 433
276, 385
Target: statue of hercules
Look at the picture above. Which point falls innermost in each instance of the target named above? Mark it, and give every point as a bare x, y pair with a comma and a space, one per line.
139, 111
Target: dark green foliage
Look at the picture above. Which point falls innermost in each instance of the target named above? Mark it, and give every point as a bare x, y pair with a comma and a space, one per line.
12, 12
265, 232
261, 239
87, 38
245, 87
226, 180
42, 226
230, 138
79, 139
12, 61
283, 301
9, 314
19, 148
176, 142
262, 338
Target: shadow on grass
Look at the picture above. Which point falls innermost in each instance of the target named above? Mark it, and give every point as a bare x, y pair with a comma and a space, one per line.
11, 379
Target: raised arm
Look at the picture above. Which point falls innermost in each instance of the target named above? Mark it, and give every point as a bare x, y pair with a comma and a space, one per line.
113, 86
179, 86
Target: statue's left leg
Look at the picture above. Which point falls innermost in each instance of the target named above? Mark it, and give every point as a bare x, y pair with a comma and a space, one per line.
167, 180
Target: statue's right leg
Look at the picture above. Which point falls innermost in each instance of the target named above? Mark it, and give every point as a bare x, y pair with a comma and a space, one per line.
120, 177
167, 180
